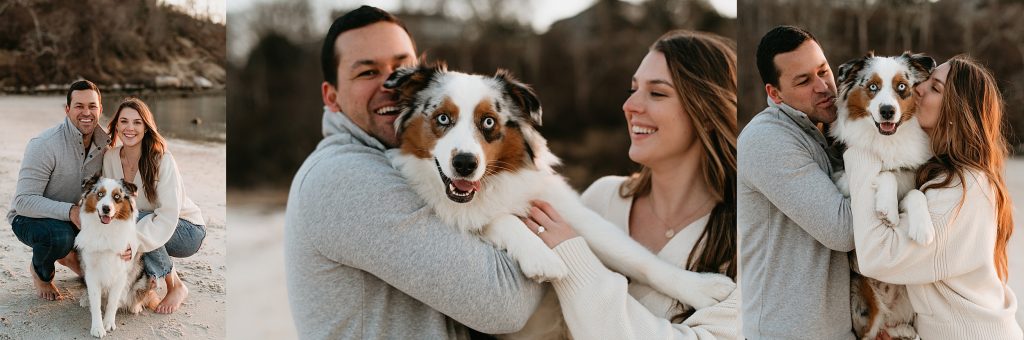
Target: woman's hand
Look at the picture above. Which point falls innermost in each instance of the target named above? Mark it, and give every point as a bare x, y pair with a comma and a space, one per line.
555, 229
127, 254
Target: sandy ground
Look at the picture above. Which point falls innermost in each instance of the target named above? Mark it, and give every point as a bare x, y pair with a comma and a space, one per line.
23, 315
257, 265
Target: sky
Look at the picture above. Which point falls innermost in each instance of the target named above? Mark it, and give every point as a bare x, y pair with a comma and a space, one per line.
215, 9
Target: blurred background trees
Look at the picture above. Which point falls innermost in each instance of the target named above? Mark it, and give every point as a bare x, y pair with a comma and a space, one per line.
131, 43
580, 66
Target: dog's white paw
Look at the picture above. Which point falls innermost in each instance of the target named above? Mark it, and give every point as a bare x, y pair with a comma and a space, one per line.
921, 231
707, 290
888, 213
543, 266
97, 330
135, 308
109, 325
886, 201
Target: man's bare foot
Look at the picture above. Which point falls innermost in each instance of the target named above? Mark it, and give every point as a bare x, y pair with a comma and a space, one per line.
176, 294
71, 261
45, 290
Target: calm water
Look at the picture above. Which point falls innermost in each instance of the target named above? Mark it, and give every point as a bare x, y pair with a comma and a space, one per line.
200, 117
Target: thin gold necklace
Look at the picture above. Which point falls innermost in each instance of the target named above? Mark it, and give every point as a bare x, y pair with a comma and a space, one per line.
670, 231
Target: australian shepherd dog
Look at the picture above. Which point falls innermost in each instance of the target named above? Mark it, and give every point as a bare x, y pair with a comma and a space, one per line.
470, 147
876, 113
108, 216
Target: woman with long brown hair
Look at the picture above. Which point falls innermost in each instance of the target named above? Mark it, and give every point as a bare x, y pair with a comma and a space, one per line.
957, 283
170, 224
681, 119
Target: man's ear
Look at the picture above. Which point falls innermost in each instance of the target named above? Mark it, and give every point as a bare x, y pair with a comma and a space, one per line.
773, 93
329, 94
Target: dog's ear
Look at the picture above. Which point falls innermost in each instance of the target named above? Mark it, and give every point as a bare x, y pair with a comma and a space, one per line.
130, 188
921, 65
849, 69
89, 183
409, 80
521, 95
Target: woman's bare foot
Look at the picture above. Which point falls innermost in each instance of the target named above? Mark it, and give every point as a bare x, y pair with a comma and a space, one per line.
151, 300
176, 294
71, 261
45, 290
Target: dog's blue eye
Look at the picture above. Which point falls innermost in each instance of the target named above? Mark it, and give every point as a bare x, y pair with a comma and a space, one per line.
488, 123
99, 194
902, 87
873, 87
443, 119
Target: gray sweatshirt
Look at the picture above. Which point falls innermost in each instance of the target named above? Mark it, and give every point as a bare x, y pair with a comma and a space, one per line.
366, 258
53, 169
795, 229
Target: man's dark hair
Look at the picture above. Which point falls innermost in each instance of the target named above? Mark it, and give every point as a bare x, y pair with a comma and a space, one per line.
780, 39
357, 18
83, 85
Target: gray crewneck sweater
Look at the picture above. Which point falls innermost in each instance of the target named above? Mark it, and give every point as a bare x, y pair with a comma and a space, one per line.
795, 229
366, 258
53, 169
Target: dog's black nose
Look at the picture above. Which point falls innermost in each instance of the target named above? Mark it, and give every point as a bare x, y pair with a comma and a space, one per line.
106, 209
887, 111
464, 164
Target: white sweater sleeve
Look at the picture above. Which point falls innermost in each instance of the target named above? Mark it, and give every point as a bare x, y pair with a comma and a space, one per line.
963, 231
155, 229
597, 305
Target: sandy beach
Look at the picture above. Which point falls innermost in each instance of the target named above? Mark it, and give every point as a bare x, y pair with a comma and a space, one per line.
23, 315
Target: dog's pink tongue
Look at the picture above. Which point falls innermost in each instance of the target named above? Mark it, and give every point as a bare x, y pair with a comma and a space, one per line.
888, 127
463, 185
105, 219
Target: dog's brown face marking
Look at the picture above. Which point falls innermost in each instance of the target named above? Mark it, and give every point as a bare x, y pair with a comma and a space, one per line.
122, 205
423, 131
905, 97
503, 145
91, 198
860, 96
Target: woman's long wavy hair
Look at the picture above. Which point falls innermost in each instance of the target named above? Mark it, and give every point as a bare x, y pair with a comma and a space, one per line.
153, 145
703, 69
968, 135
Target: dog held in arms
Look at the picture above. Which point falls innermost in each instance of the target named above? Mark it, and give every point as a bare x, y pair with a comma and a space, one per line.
108, 215
470, 147
876, 113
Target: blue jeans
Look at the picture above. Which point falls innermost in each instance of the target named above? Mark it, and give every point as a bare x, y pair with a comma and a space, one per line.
184, 242
50, 240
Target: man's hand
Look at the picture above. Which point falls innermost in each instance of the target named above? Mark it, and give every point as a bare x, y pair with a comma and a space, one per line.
73, 215
127, 254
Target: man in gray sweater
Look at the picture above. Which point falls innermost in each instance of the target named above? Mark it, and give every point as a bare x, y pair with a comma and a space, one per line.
794, 224
366, 258
44, 214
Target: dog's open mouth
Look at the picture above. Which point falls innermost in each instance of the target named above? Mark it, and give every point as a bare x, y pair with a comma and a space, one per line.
105, 219
887, 128
459, 191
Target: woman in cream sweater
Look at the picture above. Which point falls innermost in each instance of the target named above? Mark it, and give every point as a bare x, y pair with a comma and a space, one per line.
170, 224
681, 119
957, 283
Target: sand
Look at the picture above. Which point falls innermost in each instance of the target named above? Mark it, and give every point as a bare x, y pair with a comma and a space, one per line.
23, 315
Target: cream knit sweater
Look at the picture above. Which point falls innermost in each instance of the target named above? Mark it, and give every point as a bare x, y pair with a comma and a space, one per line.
952, 282
155, 229
599, 304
